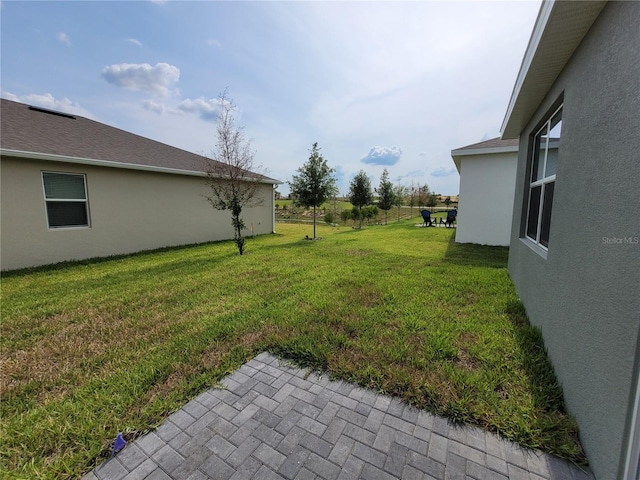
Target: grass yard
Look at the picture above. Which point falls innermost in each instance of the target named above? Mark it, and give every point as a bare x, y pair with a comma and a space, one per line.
92, 349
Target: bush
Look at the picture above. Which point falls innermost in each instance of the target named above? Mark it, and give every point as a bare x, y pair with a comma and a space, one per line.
328, 218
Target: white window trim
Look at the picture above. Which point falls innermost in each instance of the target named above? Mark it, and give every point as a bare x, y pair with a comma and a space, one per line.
536, 247
543, 182
538, 183
85, 200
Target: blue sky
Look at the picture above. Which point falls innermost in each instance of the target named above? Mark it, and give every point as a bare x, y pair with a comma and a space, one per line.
393, 85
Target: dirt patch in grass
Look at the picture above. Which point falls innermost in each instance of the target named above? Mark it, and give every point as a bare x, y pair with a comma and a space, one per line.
464, 359
79, 345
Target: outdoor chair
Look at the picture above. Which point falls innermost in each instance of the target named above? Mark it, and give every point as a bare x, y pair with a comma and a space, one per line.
426, 215
451, 217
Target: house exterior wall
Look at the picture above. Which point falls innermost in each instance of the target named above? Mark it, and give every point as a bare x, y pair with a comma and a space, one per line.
584, 293
129, 211
487, 186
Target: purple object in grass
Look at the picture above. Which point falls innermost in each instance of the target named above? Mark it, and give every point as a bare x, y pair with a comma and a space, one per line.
119, 443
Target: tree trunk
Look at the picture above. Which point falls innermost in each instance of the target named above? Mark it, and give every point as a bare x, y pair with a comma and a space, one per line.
238, 225
314, 222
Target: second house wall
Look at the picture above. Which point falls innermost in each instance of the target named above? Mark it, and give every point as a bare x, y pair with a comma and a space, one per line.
487, 184
129, 211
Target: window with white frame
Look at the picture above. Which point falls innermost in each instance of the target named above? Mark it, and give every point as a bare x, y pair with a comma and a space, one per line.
65, 196
542, 181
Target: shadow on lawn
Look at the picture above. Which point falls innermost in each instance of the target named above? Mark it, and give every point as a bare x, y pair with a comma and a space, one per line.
546, 389
555, 425
53, 267
474, 255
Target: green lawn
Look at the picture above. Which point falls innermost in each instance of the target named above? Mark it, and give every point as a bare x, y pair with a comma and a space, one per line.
92, 349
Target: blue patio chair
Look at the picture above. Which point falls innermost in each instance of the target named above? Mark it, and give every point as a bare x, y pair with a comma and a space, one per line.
451, 217
426, 215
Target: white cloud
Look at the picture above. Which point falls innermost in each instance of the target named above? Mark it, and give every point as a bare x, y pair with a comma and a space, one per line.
135, 41
205, 108
64, 39
382, 156
10, 96
143, 77
49, 101
443, 172
153, 106
214, 43
411, 175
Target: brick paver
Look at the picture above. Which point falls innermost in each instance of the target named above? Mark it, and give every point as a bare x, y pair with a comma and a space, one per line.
273, 421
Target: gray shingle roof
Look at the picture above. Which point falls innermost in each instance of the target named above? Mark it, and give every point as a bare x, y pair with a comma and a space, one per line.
492, 143
27, 129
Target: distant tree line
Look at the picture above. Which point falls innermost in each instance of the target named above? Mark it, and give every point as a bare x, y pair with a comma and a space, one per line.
315, 183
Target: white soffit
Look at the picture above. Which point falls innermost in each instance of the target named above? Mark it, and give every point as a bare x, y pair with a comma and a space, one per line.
560, 27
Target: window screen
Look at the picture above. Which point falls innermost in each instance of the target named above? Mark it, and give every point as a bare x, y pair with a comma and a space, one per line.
66, 199
544, 163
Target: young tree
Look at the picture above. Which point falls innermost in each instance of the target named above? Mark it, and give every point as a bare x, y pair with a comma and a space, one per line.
356, 214
230, 170
360, 193
423, 195
399, 194
412, 199
385, 194
370, 213
447, 201
432, 201
314, 184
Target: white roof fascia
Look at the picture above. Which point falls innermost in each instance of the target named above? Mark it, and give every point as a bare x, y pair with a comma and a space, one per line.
483, 151
534, 41
559, 30
107, 163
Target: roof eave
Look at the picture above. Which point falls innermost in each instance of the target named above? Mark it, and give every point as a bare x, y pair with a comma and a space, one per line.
456, 161
109, 164
559, 29
483, 151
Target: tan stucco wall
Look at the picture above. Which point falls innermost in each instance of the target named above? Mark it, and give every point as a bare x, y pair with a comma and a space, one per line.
129, 211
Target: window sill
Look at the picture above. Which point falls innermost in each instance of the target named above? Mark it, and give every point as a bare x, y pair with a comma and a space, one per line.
79, 227
534, 247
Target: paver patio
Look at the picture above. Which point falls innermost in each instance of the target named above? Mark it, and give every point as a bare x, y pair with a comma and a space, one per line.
274, 421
